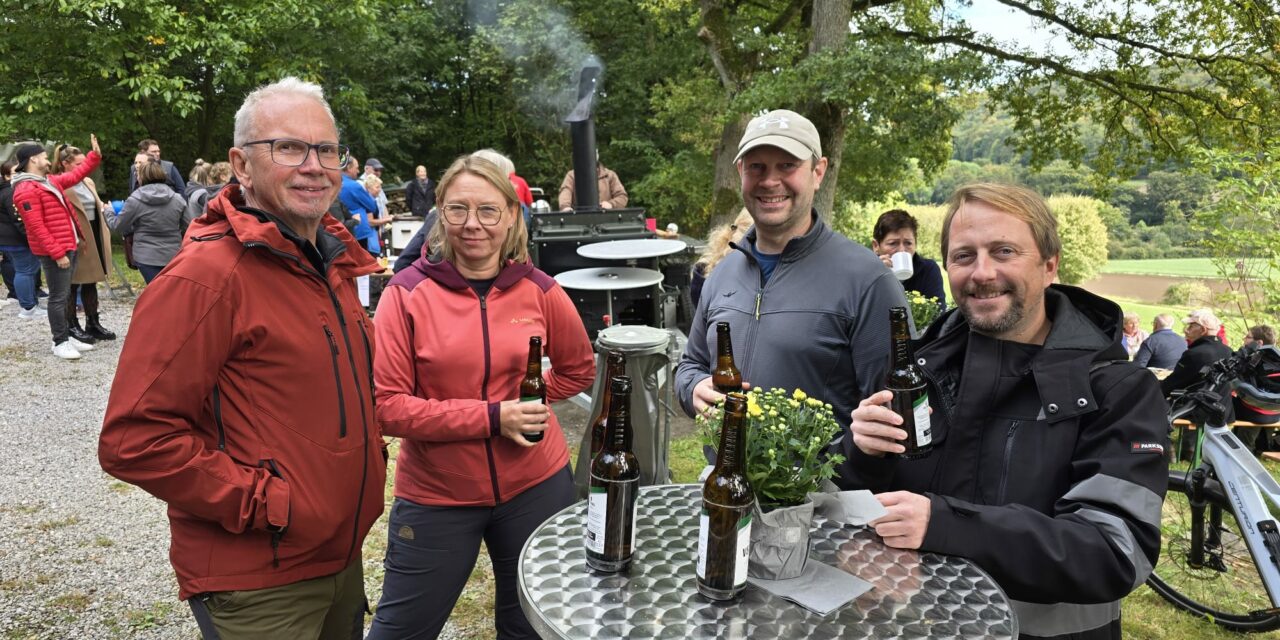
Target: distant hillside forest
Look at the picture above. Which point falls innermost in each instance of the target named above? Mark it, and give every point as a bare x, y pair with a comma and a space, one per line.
1149, 216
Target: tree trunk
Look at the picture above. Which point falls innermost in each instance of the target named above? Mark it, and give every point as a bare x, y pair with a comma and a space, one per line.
726, 199
830, 25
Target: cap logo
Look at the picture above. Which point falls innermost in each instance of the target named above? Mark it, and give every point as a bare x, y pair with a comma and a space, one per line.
782, 122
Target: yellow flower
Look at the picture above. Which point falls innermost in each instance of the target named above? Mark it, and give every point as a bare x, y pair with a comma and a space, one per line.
813, 402
773, 413
753, 408
799, 394
793, 404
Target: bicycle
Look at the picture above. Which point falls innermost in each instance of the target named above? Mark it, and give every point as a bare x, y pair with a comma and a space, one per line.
1221, 539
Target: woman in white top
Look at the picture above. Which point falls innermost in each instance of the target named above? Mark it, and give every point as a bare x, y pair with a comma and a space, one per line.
1133, 335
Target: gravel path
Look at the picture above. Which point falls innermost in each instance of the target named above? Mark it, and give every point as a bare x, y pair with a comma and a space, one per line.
81, 555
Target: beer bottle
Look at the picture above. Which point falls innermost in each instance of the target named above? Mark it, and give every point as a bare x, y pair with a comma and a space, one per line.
907, 382
726, 378
615, 483
616, 365
724, 530
533, 388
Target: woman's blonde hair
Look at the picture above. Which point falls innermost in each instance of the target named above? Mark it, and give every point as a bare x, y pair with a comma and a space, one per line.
516, 245
220, 173
199, 172
370, 180
720, 237
62, 154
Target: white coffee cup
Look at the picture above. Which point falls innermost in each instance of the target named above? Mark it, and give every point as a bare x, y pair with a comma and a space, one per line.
902, 269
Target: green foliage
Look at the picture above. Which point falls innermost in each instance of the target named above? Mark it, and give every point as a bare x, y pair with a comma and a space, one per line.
857, 220
170, 71
1084, 237
1191, 293
787, 437
1240, 228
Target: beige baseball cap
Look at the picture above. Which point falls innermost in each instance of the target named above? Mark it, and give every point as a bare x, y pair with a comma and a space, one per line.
786, 130
1204, 318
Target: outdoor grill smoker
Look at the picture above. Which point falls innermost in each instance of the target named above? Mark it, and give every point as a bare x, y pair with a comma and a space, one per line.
555, 236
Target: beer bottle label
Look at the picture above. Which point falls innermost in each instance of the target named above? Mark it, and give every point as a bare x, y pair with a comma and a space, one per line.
597, 506
598, 509
741, 543
743, 554
534, 399
924, 433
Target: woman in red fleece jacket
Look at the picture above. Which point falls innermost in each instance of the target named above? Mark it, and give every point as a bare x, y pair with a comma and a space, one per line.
453, 340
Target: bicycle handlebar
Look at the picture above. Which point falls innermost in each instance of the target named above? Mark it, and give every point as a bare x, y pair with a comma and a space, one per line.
1203, 393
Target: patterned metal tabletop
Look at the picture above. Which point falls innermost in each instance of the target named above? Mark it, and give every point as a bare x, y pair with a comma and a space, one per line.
914, 595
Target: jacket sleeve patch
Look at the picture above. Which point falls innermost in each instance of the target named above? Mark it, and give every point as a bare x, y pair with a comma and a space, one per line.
1146, 447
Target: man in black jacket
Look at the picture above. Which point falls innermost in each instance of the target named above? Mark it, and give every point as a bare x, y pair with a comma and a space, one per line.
172, 176
1200, 328
420, 193
1048, 467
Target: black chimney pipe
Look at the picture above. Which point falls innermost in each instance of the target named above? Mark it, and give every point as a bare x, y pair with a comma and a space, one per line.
586, 195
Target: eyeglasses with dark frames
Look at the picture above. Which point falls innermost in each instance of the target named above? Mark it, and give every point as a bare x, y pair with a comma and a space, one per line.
289, 152
457, 214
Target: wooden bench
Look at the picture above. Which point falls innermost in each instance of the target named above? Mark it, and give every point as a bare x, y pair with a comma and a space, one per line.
1183, 423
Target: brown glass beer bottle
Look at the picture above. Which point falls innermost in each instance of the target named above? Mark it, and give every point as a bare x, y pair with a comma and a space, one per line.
908, 384
724, 531
532, 387
726, 378
615, 365
615, 483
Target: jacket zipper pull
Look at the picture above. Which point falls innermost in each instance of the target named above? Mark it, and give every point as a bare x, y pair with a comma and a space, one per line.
333, 342
759, 295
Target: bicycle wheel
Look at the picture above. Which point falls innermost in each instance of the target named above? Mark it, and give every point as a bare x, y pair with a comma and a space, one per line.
1228, 596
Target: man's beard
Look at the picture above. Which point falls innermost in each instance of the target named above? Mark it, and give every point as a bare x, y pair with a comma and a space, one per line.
995, 326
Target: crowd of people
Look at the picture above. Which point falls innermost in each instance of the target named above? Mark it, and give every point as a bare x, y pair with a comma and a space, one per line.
263, 421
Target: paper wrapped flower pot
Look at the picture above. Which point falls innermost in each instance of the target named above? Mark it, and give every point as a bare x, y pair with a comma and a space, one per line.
780, 542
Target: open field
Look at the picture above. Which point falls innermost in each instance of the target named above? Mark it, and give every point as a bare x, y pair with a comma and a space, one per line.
1179, 267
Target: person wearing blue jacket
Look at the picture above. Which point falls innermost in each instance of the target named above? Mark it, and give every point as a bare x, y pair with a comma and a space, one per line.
362, 206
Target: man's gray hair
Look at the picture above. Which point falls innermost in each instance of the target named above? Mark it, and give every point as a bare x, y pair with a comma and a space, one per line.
1164, 321
500, 161
290, 86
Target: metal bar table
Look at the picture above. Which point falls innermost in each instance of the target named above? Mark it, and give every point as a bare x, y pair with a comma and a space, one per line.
608, 280
914, 595
631, 249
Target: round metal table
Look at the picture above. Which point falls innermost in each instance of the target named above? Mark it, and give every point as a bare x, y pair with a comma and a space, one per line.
631, 249
914, 595
608, 279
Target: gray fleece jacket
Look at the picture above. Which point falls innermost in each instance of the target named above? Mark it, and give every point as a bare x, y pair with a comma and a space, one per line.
156, 217
820, 324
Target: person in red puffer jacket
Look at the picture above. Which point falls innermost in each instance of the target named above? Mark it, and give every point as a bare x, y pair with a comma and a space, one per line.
52, 232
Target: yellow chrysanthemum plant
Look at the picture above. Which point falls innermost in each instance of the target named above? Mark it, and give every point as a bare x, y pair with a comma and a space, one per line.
787, 436
924, 310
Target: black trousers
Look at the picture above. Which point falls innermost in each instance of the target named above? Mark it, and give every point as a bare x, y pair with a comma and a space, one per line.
432, 550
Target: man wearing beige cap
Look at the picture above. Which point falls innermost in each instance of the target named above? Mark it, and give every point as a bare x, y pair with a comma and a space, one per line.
1200, 327
807, 308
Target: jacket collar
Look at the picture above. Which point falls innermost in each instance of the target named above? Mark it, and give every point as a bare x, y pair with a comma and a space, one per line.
797, 247
229, 213
1086, 329
448, 276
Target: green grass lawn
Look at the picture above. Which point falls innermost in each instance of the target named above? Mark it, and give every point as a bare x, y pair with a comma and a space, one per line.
1149, 311
1145, 615
1177, 267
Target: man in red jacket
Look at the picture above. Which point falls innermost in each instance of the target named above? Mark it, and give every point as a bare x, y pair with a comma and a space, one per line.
52, 232
252, 416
